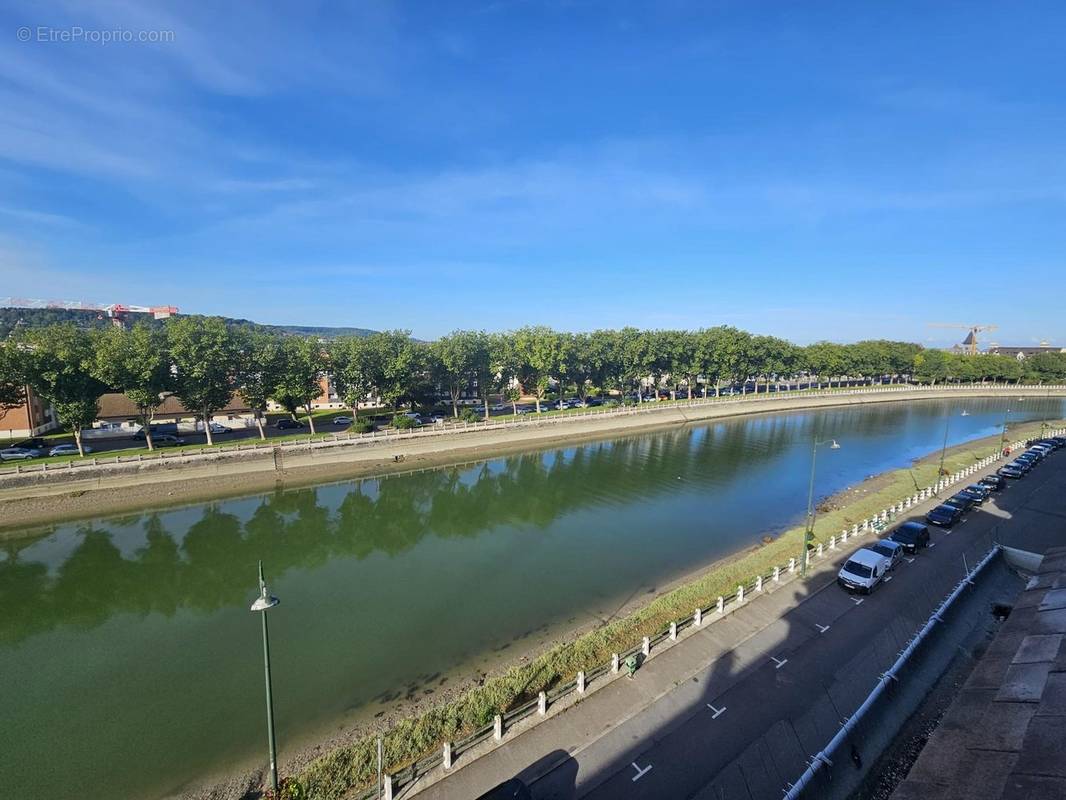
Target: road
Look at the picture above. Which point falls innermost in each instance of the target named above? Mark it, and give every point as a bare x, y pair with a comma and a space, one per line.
741, 723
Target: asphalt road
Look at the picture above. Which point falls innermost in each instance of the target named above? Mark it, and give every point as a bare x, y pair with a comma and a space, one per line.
672, 752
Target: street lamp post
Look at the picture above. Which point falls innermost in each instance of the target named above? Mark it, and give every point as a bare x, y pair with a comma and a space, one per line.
1003, 437
808, 533
944, 448
262, 604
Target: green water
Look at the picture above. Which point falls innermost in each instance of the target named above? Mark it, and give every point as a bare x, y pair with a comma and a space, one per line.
131, 664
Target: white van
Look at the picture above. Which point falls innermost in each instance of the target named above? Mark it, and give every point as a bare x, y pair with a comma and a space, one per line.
863, 571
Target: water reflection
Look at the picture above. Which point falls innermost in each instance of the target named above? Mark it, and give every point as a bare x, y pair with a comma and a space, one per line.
388, 582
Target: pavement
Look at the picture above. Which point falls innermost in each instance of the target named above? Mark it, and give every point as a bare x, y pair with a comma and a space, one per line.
736, 708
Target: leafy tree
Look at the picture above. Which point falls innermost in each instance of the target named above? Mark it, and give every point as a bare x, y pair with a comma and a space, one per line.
203, 352
536, 357
931, 366
60, 366
825, 360
455, 357
395, 365
350, 360
299, 381
484, 369
260, 356
12, 376
1046, 367
136, 363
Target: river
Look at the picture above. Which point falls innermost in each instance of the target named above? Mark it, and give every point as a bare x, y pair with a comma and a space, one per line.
130, 661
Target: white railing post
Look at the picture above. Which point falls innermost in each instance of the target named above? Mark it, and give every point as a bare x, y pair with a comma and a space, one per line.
497, 728
777, 574
645, 646
447, 757
697, 617
740, 593
720, 606
581, 681
542, 697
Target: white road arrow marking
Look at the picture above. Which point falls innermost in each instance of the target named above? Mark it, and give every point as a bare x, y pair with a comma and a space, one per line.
779, 662
821, 628
856, 600
717, 711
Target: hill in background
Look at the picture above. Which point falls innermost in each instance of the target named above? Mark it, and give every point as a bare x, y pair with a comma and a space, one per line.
11, 318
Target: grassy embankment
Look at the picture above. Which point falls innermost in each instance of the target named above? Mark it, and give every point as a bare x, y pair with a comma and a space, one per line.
338, 772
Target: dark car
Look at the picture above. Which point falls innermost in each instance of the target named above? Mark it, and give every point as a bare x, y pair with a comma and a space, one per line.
962, 501
514, 789
912, 535
993, 483
979, 491
944, 515
286, 424
35, 443
1012, 471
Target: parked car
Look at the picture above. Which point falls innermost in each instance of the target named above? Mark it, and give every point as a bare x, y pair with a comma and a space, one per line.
68, 450
20, 453
1011, 471
962, 501
216, 428
994, 483
432, 419
514, 789
944, 515
167, 440
342, 420
163, 427
35, 443
287, 424
891, 550
863, 571
912, 535
979, 491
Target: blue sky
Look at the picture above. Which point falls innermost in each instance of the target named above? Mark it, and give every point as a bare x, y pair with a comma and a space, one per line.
812, 170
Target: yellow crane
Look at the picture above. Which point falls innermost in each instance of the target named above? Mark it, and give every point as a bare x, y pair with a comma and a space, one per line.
970, 342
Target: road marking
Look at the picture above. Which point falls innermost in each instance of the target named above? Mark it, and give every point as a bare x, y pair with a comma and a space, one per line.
779, 662
640, 772
910, 560
821, 628
932, 544
717, 711
857, 600
888, 578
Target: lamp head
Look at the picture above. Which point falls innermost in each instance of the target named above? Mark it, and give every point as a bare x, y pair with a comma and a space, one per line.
833, 445
265, 600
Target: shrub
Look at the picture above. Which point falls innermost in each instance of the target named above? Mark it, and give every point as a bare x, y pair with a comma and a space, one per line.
403, 422
361, 426
469, 415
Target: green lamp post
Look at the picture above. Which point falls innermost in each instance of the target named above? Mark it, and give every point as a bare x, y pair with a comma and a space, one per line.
262, 604
808, 533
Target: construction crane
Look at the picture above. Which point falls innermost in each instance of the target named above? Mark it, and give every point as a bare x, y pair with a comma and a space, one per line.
118, 313
970, 342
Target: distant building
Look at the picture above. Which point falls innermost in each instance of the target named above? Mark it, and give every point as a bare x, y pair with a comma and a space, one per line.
32, 418
1022, 353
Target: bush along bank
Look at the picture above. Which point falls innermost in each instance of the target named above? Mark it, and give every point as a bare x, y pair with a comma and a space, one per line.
420, 744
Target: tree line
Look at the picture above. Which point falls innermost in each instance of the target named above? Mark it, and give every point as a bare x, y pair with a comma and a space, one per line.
203, 362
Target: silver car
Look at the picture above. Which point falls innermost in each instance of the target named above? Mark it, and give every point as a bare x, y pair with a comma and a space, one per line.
19, 453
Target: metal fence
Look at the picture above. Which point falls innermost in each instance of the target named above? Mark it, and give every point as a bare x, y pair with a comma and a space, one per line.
819, 551
161, 459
